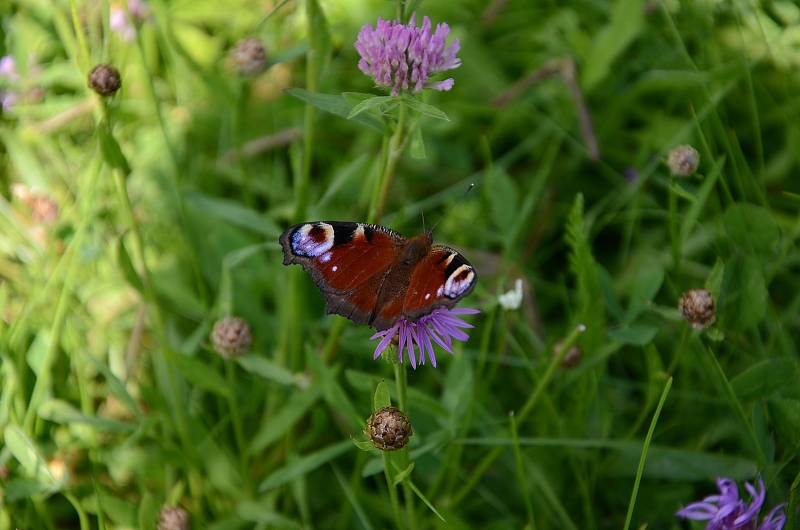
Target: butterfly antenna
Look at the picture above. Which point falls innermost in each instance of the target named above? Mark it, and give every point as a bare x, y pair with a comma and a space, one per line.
469, 189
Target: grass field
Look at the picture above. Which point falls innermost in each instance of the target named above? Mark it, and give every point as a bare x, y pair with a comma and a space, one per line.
131, 223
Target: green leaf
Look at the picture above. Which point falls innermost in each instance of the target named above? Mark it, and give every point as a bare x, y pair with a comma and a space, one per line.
381, 398
61, 412
234, 213
404, 474
417, 143
699, 202
279, 424
372, 103
259, 512
332, 391
746, 296
27, 454
647, 281
267, 369
425, 109
126, 264
752, 228
637, 335
425, 500
200, 374
714, 280
336, 105
785, 415
627, 21
503, 198
765, 378
112, 153
364, 445
303, 465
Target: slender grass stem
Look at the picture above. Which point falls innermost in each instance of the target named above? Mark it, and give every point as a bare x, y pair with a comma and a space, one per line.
674, 228
523, 484
643, 457
488, 460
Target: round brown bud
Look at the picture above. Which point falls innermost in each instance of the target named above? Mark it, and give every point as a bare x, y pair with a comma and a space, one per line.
173, 518
388, 429
683, 160
231, 337
698, 308
249, 57
571, 358
104, 79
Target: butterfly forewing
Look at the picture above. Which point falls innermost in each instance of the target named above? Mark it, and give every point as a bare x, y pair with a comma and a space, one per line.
346, 260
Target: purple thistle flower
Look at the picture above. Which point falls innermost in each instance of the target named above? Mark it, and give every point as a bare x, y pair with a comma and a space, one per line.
403, 56
727, 511
441, 326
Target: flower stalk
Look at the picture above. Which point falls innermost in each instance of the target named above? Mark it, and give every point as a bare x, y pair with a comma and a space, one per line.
393, 154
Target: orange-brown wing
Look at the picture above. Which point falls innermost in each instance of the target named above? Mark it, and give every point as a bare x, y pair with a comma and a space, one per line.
440, 280
347, 261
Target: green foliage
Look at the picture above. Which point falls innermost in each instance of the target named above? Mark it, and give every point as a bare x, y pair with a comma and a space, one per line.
129, 225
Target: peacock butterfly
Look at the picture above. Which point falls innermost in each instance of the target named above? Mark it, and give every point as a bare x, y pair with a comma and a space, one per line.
373, 275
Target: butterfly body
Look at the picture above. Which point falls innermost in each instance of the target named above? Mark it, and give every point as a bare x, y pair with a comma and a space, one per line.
373, 275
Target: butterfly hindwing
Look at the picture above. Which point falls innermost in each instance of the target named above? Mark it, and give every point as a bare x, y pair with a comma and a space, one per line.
440, 280
346, 260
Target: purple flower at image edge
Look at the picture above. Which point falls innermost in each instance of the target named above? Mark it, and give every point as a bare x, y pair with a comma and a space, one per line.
404, 56
441, 326
727, 511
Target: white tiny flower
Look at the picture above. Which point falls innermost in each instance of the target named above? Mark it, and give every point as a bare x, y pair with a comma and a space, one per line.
511, 300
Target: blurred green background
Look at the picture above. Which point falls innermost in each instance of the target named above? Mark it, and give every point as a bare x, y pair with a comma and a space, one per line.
114, 404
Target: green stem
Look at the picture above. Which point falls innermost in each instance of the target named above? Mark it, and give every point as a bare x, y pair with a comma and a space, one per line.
643, 456
43, 380
401, 382
173, 159
396, 147
488, 460
674, 229
398, 519
236, 418
523, 484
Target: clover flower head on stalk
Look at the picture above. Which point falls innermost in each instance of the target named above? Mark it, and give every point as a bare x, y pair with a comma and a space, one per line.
441, 326
403, 57
727, 511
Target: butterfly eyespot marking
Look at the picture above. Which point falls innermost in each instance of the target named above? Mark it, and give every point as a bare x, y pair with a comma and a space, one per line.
335, 268
312, 240
427, 296
459, 281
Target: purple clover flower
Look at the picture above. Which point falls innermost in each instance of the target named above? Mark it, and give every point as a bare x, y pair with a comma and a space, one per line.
121, 23
9, 74
727, 511
404, 57
441, 326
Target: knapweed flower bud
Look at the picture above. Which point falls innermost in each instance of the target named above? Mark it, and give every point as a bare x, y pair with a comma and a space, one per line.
249, 57
173, 518
571, 358
104, 79
388, 429
683, 160
698, 308
231, 337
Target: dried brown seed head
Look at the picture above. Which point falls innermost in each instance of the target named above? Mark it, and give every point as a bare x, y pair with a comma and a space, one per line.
231, 337
105, 79
683, 160
249, 57
173, 518
389, 429
698, 308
